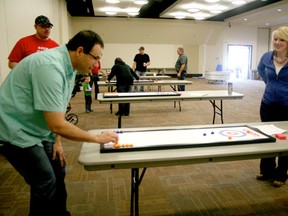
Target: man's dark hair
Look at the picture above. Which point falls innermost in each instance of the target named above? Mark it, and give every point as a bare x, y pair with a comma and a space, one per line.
87, 39
118, 60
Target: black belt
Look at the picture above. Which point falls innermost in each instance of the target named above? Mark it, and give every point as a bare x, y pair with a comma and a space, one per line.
2, 142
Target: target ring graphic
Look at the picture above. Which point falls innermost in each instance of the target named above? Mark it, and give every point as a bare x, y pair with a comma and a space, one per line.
232, 133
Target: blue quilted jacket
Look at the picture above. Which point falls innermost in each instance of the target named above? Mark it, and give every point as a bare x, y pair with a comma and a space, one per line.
276, 90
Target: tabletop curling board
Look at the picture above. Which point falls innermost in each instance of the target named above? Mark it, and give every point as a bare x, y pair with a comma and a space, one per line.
138, 94
144, 140
135, 81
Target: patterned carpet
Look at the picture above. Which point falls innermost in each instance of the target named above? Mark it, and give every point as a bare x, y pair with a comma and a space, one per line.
218, 189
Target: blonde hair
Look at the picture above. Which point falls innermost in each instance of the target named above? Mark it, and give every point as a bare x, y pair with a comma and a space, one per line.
282, 33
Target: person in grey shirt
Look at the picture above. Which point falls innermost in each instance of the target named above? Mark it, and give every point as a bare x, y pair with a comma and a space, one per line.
181, 67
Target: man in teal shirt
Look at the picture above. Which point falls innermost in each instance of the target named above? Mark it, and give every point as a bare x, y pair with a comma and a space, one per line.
33, 102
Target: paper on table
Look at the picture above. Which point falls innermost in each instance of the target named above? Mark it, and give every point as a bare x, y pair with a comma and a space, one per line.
270, 129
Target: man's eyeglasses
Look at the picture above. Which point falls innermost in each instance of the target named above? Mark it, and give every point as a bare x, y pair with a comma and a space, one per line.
96, 58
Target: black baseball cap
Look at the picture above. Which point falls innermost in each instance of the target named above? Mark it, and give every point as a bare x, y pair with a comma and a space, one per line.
43, 21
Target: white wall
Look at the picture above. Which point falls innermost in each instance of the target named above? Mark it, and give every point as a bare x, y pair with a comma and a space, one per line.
205, 43
20, 22
263, 42
161, 38
150, 31
162, 55
63, 23
3, 42
17, 20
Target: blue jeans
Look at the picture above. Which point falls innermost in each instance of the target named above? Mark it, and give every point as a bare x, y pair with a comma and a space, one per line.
182, 77
46, 177
268, 166
139, 73
88, 102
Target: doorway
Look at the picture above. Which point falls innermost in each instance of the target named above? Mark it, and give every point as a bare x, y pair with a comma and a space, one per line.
239, 60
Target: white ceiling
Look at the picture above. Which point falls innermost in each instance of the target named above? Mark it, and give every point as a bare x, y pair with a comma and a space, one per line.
180, 7
267, 16
101, 5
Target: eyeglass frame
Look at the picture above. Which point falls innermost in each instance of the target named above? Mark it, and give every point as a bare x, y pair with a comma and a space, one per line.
96, 58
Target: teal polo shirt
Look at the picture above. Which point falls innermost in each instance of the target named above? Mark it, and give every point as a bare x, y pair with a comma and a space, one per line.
40, 82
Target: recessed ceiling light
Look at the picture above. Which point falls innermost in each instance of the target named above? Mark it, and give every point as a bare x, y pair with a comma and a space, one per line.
113, 1
239, 2
110, 12
199, 18
215, 11
193, 10
179, 17
212, 1
245, 19
132, 11
141, 2
279, 10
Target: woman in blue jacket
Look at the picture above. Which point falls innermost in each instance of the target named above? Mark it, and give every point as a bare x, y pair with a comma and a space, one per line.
273, 68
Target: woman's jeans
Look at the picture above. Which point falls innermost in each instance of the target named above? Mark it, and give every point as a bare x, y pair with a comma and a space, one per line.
268, 166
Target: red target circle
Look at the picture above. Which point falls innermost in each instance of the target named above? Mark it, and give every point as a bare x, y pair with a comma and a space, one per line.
232, 133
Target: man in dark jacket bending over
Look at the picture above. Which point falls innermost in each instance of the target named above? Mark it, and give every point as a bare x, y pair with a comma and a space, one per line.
124, 76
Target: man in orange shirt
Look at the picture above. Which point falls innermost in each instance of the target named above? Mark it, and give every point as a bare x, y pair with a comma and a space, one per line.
37, 42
